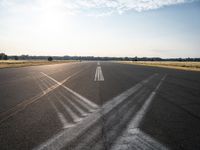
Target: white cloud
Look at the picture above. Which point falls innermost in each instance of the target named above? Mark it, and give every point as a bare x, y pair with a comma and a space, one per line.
90, 7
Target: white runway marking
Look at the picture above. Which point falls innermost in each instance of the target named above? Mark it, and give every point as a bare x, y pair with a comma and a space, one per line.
64, 122
82, 103
85, 100
93, 105
19, 107
130, 136
41, 88
140, 114
74, 105
99, 75
120, 98
60, 139
70, 111
137, 139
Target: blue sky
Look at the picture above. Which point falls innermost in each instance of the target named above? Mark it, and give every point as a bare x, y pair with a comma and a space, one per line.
160, 28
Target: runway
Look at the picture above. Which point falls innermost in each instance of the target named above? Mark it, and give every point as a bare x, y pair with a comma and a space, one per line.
99, 105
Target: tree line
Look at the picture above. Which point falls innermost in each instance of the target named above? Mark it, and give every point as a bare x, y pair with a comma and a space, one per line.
3, 56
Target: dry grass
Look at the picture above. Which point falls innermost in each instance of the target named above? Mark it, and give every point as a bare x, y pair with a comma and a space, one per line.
24, 63
192, 66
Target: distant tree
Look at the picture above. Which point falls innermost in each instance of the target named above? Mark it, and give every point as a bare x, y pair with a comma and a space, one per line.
16, 57
126, 59
24, 57
135, 58
152, 59
179, 59
50, 58
3, 56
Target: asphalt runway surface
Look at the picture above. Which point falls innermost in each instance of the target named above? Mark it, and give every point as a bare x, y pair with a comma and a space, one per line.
99, 106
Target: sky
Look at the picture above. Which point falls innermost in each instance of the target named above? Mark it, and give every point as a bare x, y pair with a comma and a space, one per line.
119, 28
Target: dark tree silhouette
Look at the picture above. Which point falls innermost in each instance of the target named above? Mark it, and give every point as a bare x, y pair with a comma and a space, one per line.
50, 58
3, 56
16, 57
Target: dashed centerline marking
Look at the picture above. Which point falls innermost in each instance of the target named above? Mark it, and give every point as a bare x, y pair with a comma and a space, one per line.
99, 74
